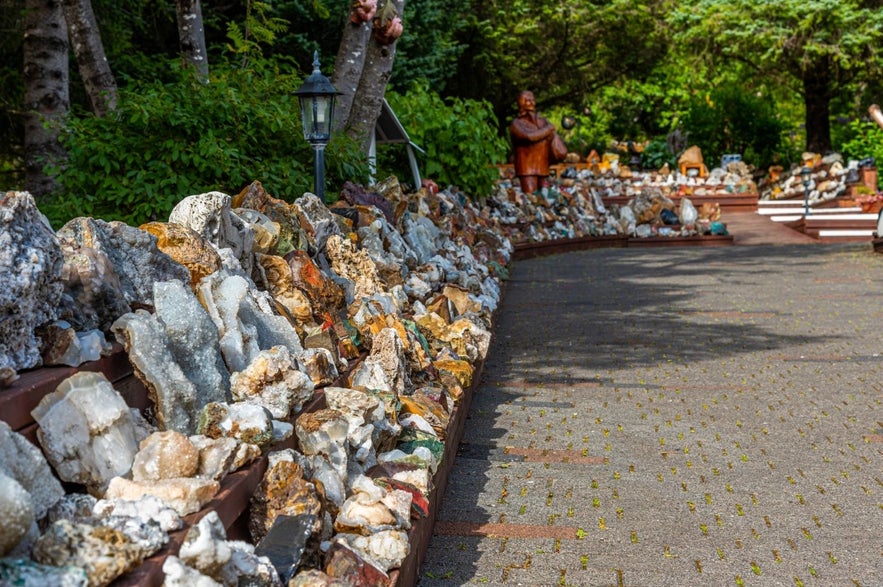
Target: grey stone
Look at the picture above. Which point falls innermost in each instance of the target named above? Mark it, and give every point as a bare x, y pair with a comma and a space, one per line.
30, 271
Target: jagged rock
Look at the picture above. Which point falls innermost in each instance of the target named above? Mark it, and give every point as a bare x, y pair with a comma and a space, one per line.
283, 490
147, 508
319, 221
286, 542
212, 217
266, 231
86, 431
248, 423
187, 247
347, 564
23, 572
387, 549
291, 236
244, 328
22, 461
324, 432
177, 574
60, 344
220, 456
193, 340
184, 495
385, 368
31, 271
318, 364
355, 265
316, 578
165, 455
109, 266
322, 291
272, 380
105, 553
273, 274
16, 514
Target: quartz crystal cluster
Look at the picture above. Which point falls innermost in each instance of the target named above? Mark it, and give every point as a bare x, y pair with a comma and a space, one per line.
234, 314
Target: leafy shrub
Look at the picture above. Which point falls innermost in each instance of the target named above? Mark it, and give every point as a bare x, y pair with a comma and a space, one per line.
657, 153
866, 141
169, 140
459, 136
730, 119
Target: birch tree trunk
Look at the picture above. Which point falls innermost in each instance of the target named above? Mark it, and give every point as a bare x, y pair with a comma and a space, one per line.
192, 36
368, 99
348, 69
46, 92
85, 37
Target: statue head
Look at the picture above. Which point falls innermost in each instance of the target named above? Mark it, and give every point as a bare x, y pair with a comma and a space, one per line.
526, 103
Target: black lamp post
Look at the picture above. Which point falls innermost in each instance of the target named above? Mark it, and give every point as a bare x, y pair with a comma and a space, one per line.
317, 97
806, 175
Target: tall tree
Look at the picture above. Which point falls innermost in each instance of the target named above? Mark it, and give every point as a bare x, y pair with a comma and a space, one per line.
350, 59
562, 51
191, 36
817, 48
379, 57
46, 96
94, 69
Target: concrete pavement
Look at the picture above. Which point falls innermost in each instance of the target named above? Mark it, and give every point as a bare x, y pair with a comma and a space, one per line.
676, 417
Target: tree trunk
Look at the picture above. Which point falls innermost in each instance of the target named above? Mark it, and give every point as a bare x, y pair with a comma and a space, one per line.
817, 101
46, 93
85, 37
348, 69
372, 87
192, 37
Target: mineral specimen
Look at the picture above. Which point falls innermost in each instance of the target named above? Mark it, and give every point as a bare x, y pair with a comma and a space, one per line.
108, 266
105, 553
30, 269
286, 542
22, 572
185, 495
272, 380
187, 247
248, 423
244, 328
86, 431
165, 455
16, 513
283, 490
22, 461
211, 216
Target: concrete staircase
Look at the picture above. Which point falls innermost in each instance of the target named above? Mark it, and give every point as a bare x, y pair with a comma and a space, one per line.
834, 221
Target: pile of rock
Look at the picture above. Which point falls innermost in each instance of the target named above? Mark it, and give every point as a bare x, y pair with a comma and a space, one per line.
232, 315
829, 178
578, 210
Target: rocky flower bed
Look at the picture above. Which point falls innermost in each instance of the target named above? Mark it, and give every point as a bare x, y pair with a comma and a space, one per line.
235, 315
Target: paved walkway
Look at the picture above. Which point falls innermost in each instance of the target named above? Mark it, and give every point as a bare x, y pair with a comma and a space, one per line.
676, 417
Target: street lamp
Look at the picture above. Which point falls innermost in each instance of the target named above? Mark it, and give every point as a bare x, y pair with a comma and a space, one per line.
806, 175
317, 97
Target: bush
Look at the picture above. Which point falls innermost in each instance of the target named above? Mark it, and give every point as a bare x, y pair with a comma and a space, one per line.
169, 140
866, 141
730, 119
459, 137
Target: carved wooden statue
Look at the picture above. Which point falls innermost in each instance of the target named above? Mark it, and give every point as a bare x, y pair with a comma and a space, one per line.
532, 137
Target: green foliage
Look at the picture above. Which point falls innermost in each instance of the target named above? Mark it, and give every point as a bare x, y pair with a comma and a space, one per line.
866, 141
591, 130
429, 48
459, 136
732, 120
171, 140
259, 28
656, 154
